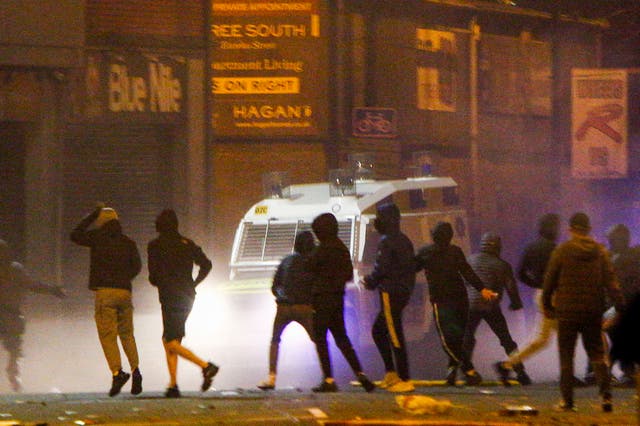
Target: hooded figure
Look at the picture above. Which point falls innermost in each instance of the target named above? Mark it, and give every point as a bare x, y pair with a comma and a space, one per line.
536, 255
114, 263
331, 266
577, 281
497, 275
446, 270
292, 286
394, 275
171, 259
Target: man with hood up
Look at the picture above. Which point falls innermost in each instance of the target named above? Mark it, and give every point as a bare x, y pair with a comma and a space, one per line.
292, 286
15, 285
626, 264
394, 276
331, 266
114, 263
497, 275
446, 270
577, 280
171, 259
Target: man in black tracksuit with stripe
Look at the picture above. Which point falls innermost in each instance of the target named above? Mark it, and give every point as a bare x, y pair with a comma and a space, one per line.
394, 275
446, 270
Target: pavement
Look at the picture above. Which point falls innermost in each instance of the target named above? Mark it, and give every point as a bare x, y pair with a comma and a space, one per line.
489, 404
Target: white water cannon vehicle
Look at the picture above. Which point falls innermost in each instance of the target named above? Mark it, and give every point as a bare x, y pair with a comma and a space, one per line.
267, 232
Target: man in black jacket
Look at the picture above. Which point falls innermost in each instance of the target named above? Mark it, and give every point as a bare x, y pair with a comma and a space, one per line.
171, 259
114, 262
15, 285
446, 270
533, 264
331, 265
394, 276
292, 286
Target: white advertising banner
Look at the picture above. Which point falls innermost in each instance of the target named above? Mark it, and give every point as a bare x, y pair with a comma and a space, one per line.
599, 144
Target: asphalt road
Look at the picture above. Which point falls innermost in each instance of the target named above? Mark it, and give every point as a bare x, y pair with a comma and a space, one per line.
482, 405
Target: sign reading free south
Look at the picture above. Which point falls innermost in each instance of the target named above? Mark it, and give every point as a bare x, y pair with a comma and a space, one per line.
269, 68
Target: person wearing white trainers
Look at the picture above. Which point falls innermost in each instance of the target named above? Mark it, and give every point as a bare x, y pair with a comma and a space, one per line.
292, 286
393, 275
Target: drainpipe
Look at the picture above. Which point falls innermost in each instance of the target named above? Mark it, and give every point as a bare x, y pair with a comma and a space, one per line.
473, 119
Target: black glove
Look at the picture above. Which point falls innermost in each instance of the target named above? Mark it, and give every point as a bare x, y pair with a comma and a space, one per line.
515, 306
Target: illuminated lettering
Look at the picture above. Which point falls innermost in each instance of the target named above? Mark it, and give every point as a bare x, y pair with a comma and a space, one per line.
165, 91
222, 30
125, 93
247, 112
280, 30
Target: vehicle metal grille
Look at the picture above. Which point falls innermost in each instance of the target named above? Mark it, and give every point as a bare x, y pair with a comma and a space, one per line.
275, 240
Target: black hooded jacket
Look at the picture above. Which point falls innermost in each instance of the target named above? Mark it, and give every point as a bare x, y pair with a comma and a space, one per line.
330, 262
446, 268
293, 282
114, 257
394, 267
536, 255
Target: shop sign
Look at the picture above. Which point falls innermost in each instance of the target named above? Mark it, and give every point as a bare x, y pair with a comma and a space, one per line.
599, 143
269, 68
140, 84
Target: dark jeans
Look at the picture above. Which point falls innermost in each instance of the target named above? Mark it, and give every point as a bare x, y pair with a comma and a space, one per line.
451, 322
388, 334
286, 314
329, 316
591, 332
498, 324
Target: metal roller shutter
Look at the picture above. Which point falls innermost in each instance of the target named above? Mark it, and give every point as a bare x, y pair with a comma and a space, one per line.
126, 167
12, 186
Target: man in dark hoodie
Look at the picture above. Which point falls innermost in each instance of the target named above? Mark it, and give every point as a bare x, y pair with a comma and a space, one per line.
171, 259
114, 263
577, 280
626, 264
497, 275
394, 276
292, 286
15, 285
331, 265
446, 270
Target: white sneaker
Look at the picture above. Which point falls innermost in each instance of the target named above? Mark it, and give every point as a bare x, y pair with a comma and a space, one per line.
390, 379
402, 386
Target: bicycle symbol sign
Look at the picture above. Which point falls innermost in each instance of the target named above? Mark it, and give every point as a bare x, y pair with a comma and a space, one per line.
374, 122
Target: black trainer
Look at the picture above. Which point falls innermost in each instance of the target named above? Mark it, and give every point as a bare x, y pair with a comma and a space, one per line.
366, 383
607, 405
452, 372
208, 373
118, 382
503, 373
524, 379
472, 378
326, 387
136, 382
172, 392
